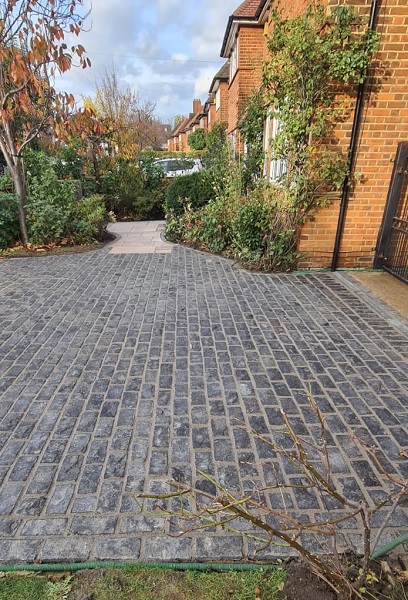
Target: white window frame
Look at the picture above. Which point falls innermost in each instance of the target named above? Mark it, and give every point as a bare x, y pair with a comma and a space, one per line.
233, 140
274, 168
234, 60
218, 99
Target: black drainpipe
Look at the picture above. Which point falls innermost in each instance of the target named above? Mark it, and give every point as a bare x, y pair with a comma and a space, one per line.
352, 149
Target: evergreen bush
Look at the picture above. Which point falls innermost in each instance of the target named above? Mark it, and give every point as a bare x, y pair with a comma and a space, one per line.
9, 224
195, 190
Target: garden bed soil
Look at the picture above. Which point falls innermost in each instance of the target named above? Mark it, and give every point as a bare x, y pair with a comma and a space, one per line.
55, 250
388, 580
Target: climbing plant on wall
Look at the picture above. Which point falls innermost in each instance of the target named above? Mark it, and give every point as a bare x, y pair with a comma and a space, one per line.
314, 61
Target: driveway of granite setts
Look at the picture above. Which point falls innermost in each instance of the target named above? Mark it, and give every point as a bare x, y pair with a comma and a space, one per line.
120, 372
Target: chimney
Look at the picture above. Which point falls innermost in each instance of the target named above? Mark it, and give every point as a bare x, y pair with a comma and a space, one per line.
197, 106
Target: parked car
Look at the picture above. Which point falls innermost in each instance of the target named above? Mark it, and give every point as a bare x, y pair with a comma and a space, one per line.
174, 167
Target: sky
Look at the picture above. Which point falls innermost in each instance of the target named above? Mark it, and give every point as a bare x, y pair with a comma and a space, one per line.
166, 50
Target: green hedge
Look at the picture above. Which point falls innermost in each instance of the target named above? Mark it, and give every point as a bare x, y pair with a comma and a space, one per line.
195, 189
9, 224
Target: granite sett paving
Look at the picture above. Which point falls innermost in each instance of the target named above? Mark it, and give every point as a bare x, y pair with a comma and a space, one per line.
121, 371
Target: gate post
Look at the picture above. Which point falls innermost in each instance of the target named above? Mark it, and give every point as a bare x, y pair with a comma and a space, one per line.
393, 197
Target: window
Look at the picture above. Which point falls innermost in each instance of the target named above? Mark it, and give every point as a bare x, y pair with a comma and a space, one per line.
234, 61
233, 140
218, 99
274, 168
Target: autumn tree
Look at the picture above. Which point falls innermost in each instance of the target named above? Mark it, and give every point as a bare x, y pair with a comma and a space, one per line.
32, 53
129, 123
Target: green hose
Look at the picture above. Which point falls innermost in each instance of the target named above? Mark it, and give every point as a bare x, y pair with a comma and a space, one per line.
172, 566
151, 565
390, 546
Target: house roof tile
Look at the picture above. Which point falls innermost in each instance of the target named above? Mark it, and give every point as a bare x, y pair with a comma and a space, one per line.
248, 8
222, 75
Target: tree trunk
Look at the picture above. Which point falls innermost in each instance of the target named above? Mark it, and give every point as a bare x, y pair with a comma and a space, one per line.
15, 164
19, 184
97, 172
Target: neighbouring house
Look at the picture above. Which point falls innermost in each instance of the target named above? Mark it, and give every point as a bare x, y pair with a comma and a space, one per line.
194, 122
209, 111
244, 47
366, 224
160, 134
175, 139
219, 90
346, 233
359, 228
178, 139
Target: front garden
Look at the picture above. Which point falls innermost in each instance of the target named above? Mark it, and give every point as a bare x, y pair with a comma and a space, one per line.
68, 206
315, 61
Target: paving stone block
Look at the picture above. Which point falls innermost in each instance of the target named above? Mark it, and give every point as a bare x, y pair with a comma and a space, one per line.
70, 468
93, 525
19, 551
65, 550
167, 549
213, 548
60, 499
44, 527
121, 548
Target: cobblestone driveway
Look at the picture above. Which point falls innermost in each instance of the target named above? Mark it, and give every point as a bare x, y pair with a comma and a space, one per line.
119, 372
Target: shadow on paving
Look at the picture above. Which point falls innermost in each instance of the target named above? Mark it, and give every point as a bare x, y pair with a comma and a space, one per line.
119, 372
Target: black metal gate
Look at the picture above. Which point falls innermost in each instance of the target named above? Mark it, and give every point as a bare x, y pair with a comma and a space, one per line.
392, 246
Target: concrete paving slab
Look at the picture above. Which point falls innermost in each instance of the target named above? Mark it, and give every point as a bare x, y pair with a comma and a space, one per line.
387, 288
140, 237
120, 372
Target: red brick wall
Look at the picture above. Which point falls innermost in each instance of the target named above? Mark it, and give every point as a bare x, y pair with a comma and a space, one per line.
222, 113
211, 117
385, 123
183, 143
248, 76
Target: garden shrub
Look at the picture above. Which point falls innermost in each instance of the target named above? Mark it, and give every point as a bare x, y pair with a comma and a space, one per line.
150, 204
197, 139
214, 232
49, 200
258, 230
250, 226
9, 223
266, 230
134, 190
53, 212
88, 219
121, 186
194, 189
175, 228
69, 161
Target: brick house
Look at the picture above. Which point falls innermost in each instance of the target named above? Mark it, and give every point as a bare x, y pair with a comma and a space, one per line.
175, 138
219, 90
383, 124
244, 47
178, 139
209, 111
352, 231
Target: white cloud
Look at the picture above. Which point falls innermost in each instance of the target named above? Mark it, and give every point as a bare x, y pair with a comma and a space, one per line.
168, 50
203, 82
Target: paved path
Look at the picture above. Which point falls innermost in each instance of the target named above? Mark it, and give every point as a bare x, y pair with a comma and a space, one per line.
141, 237
120, 371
